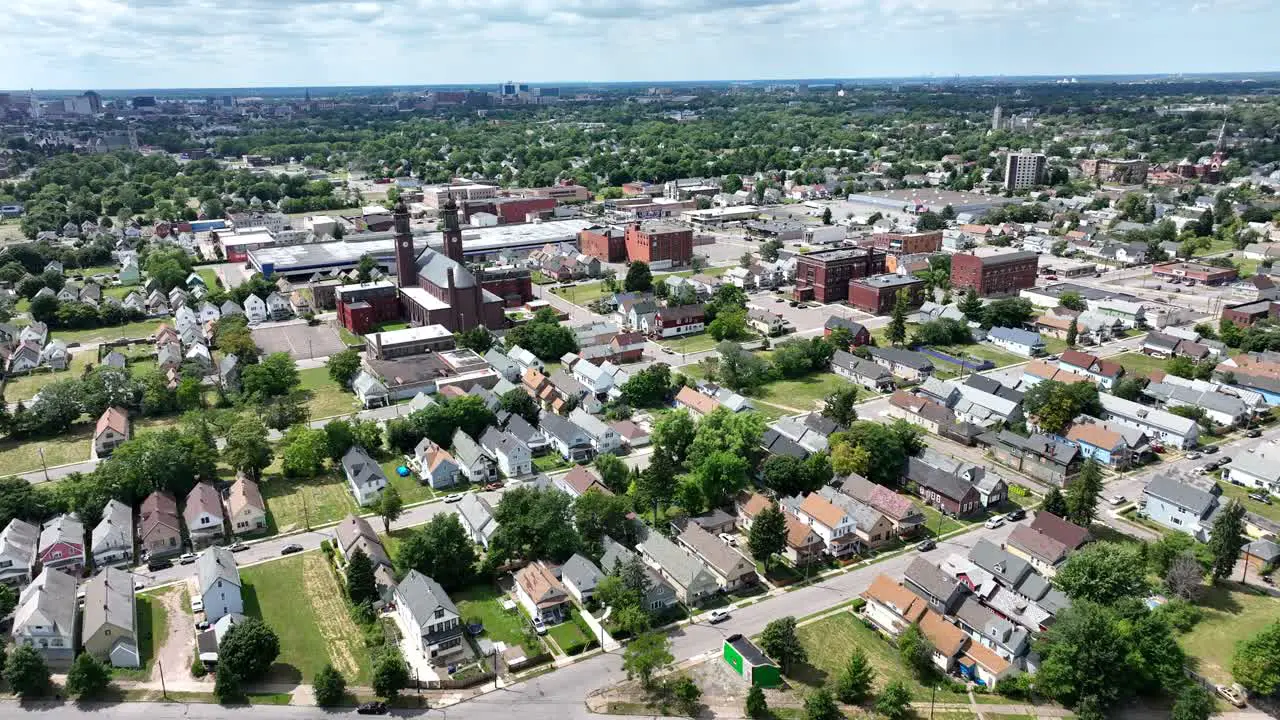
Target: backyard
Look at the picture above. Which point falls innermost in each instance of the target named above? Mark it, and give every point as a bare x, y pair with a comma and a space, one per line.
313, 632
1231, 614
151, 625
1138, 364
140, 329
72, 446
326, 397
411, 491
982, 351
483, 604
583, 294
24, 387
1241, 495
700, 342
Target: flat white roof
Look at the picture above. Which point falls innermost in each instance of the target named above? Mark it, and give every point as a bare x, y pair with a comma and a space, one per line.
251, 236
424, 299
411, 334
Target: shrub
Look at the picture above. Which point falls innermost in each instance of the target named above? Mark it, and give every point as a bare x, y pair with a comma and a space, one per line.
198, 670
857, 604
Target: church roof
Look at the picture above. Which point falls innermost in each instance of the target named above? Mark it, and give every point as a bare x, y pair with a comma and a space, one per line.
434, 266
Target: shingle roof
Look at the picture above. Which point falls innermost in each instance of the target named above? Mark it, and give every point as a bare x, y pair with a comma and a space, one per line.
946, 484
946, 638
1065, 532
216, 564
244, 494
1181, 494
1037, 545
52, 595
108, 600
930, 578
581, 572
423, 596
116, 527
887, 591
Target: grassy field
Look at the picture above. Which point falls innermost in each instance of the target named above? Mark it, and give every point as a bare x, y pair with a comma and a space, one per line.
550, 462
25, 387
937, 523
411, 491
583, 294
24, 456
312, 632
152, 623
697, 343
828, 642
982, 351
292, 504
1230, 615
210, 278
1242, 495
1138, 364
483, 603
805, 393
139, 329
327, 398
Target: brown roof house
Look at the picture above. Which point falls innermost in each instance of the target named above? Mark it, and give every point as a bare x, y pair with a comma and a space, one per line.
203, 515
111, 432
901, 512
541, 594
731, 569
891, 606
159, 532
245, 508
803, 544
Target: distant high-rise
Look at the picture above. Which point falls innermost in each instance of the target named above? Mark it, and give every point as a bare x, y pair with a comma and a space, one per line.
95, 101
995, 118
1023, 170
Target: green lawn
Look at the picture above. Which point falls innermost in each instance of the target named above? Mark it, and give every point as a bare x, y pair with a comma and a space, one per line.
17, 456
1230, 615
696, 343
119, 292
982, 351
805, 393
828, 643
567, 634
141, 329
1216, 246
483, 603
295, 504
389, 326
300, 599
411, 491
1242, 495
550, 462
327, 398
937, 523
1136, 363
210, 278
152, 625
1054, 346
24, 387
583, 294
138, 368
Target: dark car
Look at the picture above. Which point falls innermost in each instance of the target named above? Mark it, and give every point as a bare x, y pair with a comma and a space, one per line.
291, 549
1210, 449
1015, 515
1255, 433
926, 545
1260, 497
155, 565
372, 708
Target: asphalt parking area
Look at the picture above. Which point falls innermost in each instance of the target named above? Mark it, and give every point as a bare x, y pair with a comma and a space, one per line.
300, 340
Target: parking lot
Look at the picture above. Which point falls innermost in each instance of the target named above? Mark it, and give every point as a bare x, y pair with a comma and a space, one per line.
804, 318
299, 339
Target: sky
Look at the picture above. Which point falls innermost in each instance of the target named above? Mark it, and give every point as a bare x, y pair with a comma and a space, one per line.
108, 44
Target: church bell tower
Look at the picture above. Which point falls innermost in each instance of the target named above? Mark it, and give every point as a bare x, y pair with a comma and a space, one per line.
406, 261
452, 232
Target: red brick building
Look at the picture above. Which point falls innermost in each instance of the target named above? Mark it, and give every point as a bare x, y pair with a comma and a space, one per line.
605, 243
660, 244
515, 210
878, 294
824, 276
1003, 274
1201, 273
908, 243
361, 307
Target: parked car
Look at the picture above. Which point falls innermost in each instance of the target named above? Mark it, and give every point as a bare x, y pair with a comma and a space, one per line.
495, 485
160, 564
139, 584
718, 615
1254, 433
926, 545
238, 547
372, 708
728, 539
1194, 455
186, 559
290, 549
1232, 693
202, 625
197, 603
1117, 499
1260, 497
1015, 515
539, 626
1210, 449
993, 523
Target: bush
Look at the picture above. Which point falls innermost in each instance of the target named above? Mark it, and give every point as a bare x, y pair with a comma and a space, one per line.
1017, 687
326, 547
857, 604
198, 670
1180, 614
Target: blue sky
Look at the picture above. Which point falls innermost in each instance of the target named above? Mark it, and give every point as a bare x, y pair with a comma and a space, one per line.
80, 44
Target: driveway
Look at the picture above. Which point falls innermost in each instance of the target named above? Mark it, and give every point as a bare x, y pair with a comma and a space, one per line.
174, 656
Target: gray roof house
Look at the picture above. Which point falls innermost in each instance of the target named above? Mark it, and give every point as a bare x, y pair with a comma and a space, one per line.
692, 580
580, 577
866, 373
731, 569
18, 543
505, 366
474, 463
477, 518
45, 617
903, 363
432, 624
107, 628
112, 538
513, 456
1179, 505
940, 590
364, 476
1016, 341
219, 581
660, 594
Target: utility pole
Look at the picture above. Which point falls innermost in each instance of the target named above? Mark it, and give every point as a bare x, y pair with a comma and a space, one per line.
164, 693
43, 465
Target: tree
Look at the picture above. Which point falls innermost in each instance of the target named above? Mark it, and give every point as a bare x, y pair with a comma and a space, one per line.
246, 449
915, 651
518, 402
614, 473
841, 405
248, 649
821, 705
1073, 333
645, 655
769, 250
27, 673
543, 336
441, 550
757, 707
894, 702
674, 433
739, 369
389, 506
275, 376
226, 686
787, 476
897, 332
1007, 312
648, 387
477, 339
1085, 659
826, 216
390, 673
329, 686
344, 366
971, 305
1256, 664
687, 694
1185, 577
1193, 703
361, 585
88, 678
768, 536
656, 484
639, 278
1055, 405
8, 601
1226, 540
780, 642
597, 514
1072, 301
729, 325
856, 678
303, 452
1082, 494
719, 477
1054, 503
1103, 572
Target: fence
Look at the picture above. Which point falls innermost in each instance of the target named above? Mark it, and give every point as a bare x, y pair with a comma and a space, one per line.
965, 364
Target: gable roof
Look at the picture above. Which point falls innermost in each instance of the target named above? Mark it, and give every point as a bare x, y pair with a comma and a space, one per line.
112, 418
894, 506
944, 483
423, 596
1181, 494
1095, 435
116, 527
581, 572
696, 401
582, 479
1066, 532
214, 564
887, 591
108, 600
930, 578
946, 638
540, 585
711, 550
50, 597
244, 494
1037, 545
684, 568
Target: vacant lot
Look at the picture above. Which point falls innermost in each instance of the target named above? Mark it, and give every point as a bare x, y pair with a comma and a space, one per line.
982, 351
828, 643
312, 632
152, 626
327, 398
299, 340
1139, 364
805, 393
1242, 495
24, 456
22, 388
693, 343
295, 504
411, 491
583, 294
141, 329
1230, 615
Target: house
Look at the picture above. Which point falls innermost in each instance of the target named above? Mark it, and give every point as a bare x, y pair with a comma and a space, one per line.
255, 310
571, 441
580, 577
55, 355
229, 308
203, 515
1023, 595
37, 332
941, 591
473, 462
525, 359
45, 618
830, 521
1045, 553
111, 431
1018, 342
169, 356
278, 307
432, 625
62, 545
714, 521
659, 595
731, 569
1220, 408
578, 481
908, 365
219, 581
804, 546
985, 402
902, 514
229, 373
1104, 446
775, 443
766, 322
697, 403
1105, 372
949, 492
858, 333
246, 510
603, 437
678, 321
513, 457
541, 594
370, 391
505, 366
524, 432
692, 580
19, 542
870, 375
129, 273
108, 625
1042, 457
112, 539
1071, 535
477, 519
355, 533
159, 532
365, 477
871, 528
1179, 505
23, 358
891, 607
156, 303
208, 312
632, 435
1169, 429
593, 376
435, 465
1259, 469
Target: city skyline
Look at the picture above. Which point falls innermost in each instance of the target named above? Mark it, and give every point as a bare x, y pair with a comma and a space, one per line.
126, 44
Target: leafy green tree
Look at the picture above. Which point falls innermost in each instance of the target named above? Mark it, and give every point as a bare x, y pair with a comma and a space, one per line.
639, 278
894, 702
246, 449
8, 601
1055, 405
1103, 572
543, 336
1256, 664
1072, 301
1226, 540
821, 705
1073, 333
534, 523
26, 673
768, 535
614, 473
478, 339
856, 678
737, 368
303, 452
687, 695
1085, 660
88, 678
1083, 493
248, 649
674, 433
276, 375
441, 550
971, 306
361, 585
645, 655
648, 387
656, 484
719, 477
841, 405
390, 673
1193, 703
826, 216
897, 332
389, 506
344, 366
226, 686
729, 325
597, 514
757, 707
780, 642
916, 651
329, 686
518, 402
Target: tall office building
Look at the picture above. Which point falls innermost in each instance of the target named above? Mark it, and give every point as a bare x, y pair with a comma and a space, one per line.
1023, 170
995, 118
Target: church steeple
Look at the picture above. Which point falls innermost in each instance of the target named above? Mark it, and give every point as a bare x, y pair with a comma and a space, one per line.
406, 260
452, 232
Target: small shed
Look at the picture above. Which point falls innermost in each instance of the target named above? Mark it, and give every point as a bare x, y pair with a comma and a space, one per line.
747, 660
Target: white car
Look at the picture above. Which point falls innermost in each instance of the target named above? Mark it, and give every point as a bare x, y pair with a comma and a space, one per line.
1117, 499
197, 603
717, 616
993, 523
455, 497
728, 539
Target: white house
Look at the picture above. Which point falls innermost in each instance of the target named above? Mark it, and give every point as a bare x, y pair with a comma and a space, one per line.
112, 538
364, 476
45, 618
219, 581
370, 391
431, 623
603, 437
278, 307
1018, 342
255, 310
513, 457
